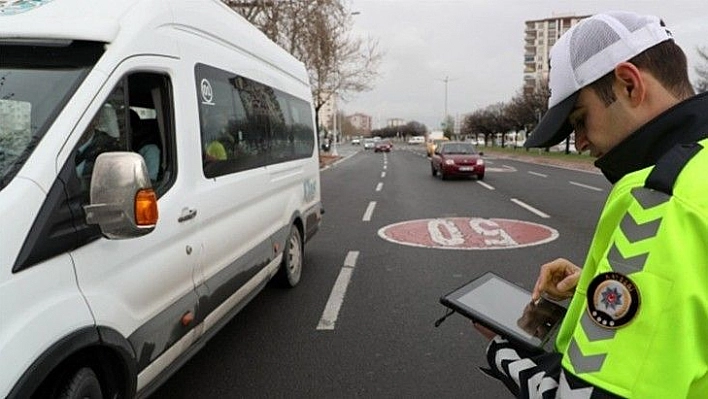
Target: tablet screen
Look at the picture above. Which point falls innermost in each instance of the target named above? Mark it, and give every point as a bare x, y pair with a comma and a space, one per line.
507, 309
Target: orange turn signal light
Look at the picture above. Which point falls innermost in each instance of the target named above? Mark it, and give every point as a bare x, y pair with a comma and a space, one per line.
146, 207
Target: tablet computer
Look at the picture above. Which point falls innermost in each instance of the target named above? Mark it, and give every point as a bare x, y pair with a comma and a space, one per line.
507, 309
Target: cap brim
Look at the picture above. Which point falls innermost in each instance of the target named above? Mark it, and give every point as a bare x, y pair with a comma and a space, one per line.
554, 126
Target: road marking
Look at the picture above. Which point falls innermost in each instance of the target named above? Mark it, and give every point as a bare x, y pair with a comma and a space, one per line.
585, 186
336, 297
379, 186
485, 185
530, 208
369, 211
468, 233
383, 174
538, 174
384, 167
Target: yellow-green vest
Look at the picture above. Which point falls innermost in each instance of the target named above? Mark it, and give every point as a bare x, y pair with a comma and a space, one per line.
659, 242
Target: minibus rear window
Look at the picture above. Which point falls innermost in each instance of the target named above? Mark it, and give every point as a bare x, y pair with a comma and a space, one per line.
37, 79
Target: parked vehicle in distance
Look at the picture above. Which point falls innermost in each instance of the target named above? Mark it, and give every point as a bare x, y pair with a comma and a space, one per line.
415, 140
456, 158
383, 146
433, 143
158, 166
369, 143
356, 141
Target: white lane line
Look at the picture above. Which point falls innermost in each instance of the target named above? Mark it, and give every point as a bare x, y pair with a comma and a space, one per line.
379, 186
336, 297
384, 167
369, 211
383, 174
585, 186
538, 174
530, 208
485, 185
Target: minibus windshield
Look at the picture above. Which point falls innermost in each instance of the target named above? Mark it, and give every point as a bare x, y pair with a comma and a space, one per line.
37, 79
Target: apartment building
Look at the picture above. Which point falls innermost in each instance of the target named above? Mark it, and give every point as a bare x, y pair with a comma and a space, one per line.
393, 122
540, 36
361, 123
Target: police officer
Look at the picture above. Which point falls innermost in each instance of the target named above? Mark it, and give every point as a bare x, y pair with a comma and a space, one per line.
637, 324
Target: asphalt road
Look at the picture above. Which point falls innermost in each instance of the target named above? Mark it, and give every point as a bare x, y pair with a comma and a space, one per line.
361, 322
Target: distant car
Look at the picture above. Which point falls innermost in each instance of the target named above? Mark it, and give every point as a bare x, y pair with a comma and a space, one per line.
356, 141
383, 146
432, 144
416, 140
368, 143
454, 158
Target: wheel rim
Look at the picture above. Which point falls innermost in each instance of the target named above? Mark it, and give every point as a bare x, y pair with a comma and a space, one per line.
294, 258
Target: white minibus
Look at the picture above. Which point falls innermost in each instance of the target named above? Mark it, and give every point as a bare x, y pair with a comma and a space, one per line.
157, 168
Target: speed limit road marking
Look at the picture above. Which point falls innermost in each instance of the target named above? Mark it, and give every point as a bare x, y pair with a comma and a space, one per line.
468, 233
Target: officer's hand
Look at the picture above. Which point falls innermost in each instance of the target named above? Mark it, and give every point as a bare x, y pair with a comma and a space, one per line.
557, 280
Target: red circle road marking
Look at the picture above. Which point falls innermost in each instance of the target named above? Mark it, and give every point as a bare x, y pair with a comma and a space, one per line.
468, 233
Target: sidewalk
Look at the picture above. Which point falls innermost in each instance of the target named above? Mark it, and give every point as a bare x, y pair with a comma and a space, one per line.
327, 159
581, 163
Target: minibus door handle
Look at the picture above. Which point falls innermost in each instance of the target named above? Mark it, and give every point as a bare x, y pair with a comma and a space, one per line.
187, 214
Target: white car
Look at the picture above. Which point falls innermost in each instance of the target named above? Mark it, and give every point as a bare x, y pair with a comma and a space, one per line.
356, 141
369, 143
416, 140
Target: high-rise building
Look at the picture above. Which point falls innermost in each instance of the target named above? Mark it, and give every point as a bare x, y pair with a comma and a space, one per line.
361, 123
540, 36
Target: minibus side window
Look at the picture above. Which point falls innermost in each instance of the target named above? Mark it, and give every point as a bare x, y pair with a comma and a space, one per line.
246, 124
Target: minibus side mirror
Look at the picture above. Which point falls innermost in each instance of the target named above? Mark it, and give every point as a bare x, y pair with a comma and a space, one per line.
123, 203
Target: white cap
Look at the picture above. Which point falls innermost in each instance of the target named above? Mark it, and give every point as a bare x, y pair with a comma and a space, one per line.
585, 53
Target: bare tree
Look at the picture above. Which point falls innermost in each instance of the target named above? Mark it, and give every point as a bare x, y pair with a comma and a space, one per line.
702, 70
525, 109
318, 33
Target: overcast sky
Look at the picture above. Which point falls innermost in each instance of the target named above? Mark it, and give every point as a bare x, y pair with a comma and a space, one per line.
479, 46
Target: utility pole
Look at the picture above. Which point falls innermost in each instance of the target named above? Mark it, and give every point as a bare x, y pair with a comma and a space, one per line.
446, 81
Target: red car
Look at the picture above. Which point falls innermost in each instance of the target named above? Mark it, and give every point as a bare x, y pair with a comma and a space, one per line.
383, 146
454, 158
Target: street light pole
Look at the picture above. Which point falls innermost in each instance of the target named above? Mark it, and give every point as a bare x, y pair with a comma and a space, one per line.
335, 127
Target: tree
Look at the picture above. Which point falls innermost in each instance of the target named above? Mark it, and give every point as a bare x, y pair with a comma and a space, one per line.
702, 70
338, 64
448, 126
412, 128
525, 109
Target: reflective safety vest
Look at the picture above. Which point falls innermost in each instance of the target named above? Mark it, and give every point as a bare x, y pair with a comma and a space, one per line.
637, 325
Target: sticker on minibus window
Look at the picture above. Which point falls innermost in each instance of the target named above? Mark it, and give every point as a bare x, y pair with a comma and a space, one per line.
12, 7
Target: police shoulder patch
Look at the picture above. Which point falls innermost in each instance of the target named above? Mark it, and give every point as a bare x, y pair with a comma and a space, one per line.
613, 300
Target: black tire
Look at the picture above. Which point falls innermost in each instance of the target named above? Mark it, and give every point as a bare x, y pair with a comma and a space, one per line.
291, 267
443, 175
480, 177
83, 384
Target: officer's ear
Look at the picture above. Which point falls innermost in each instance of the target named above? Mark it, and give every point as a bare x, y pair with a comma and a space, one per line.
630, 84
